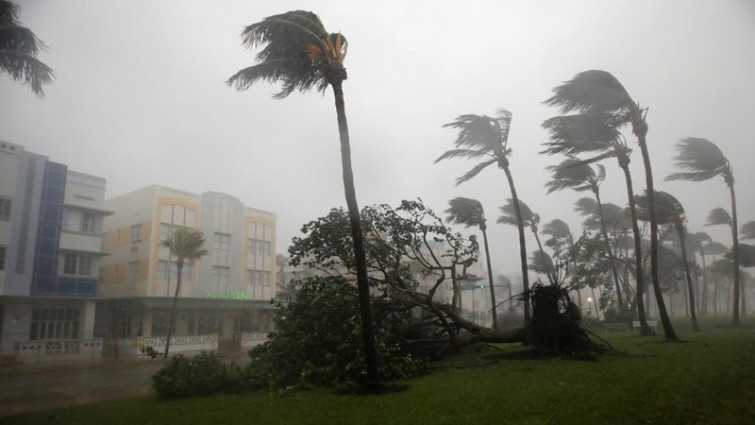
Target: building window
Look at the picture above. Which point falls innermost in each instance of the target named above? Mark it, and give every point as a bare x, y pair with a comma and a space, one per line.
222, 241
165, 231
220, 274
2, 258
258, 277
162, 271
133, 271
258, 247
4, 209
77, 265
87, 222
54, 323
136, 233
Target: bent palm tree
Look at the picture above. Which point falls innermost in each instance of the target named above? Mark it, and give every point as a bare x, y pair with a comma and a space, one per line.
481, 136
186, 245
19, 47
301, 54
541, 260
603, 106
579, 176
671, 211
469, 212
700, 159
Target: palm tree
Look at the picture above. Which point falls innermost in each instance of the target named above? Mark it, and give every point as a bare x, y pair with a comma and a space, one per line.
579, 176
301, 54
561, 241
714, 248
541, 260
19, 47
700, 240
469, 212
670, 211
481, 136
186, 245
603, 106
700, 159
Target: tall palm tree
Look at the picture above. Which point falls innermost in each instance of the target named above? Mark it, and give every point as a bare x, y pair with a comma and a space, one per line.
301, 54
603, 107
700, 159
187, 246
670, 211
541, 260
481, 136
19, 47
574, 174
469, 212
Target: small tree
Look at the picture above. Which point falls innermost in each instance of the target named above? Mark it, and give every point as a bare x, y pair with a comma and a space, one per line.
186, 245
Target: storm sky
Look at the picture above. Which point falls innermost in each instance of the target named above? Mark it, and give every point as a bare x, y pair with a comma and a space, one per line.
139, 98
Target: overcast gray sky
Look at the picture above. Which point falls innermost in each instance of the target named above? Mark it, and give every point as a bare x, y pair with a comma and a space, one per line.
139, 98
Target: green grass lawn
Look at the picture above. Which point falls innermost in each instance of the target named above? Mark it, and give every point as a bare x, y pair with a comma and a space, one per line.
709, 378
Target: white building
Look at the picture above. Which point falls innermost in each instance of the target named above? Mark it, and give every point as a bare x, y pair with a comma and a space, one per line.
50, 253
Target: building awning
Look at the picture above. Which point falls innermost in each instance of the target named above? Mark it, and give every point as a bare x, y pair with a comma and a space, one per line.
198, 303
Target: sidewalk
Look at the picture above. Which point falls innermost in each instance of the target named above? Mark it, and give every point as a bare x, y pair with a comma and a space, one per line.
25, 388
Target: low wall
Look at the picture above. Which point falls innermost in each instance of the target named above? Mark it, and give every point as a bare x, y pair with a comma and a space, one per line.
57, 350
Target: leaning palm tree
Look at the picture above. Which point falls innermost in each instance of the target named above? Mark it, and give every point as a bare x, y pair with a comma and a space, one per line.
574, 174
542, 262
670, 211
187, 246
469, 212
700, 239
481, 136
713, 249
700, 159
301, 54
597, 134
602, 103
19, 47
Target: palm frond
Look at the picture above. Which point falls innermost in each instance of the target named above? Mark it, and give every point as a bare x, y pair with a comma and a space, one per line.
586, 206
746, 255
477, 132
718, 216
462, 153
571, 173
557, 229
698, 159
668, 209
509, 213
474, 171
296, 51
541, 262
591, 91
466, 211
714, 248
747, 231
19, 47
588, 132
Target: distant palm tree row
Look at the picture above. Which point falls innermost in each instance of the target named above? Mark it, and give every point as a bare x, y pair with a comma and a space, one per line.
595, 108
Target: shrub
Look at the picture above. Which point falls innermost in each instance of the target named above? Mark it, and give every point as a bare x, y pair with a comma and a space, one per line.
201, 375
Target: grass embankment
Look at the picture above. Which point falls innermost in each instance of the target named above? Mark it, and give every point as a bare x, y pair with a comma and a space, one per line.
709, 378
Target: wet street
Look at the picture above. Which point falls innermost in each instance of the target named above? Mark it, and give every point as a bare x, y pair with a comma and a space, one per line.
38, 387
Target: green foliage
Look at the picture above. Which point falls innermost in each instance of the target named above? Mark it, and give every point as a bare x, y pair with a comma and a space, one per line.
317, 341
201, 375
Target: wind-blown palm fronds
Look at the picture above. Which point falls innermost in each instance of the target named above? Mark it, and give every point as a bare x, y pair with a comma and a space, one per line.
19, 47
700, 159
748, 230
469, 212
484, 137
718, 216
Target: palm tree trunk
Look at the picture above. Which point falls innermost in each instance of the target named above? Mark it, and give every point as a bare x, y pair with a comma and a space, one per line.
735, 241
690, 290
668, 328
172, 319
640, 276
368, 330
609, 250
704, 302
490, 277
522, 244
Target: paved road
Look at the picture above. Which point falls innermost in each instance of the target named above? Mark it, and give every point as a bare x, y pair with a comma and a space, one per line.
33, 387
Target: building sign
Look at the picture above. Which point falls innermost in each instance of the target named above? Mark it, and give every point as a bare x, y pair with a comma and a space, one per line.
226, 295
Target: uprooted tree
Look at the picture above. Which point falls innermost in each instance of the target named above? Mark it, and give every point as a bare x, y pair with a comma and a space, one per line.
415, 264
